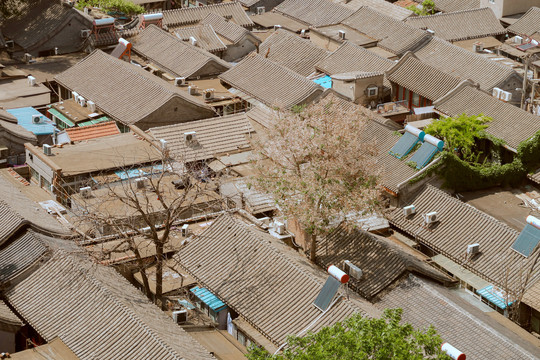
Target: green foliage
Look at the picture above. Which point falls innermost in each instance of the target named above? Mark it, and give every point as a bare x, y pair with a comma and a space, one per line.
460, 133
116, 6
427, 8
361, 338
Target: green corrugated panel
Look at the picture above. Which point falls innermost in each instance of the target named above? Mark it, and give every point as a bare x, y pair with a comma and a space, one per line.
59, 115
93, 121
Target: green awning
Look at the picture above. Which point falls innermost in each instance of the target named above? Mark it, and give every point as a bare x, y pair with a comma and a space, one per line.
93, 121
59, 115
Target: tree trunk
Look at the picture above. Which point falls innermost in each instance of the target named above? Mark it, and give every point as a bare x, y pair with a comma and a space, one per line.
313, 247
140, 262
159, 275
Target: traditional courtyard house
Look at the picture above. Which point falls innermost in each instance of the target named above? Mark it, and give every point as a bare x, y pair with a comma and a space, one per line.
291, 51
314, 12
49, 27
131, 95
464, 64
418, 84
393, 35
256, 79
174, 58
189, 16
382, 6
73, 112
65, 170
259, 279
238, 40
461, 25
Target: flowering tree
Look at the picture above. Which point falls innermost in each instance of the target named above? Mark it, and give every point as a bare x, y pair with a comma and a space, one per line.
321, 165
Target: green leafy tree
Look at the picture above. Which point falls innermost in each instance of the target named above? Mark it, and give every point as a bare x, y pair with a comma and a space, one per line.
359, 338
427, 8
113, 6
461, 133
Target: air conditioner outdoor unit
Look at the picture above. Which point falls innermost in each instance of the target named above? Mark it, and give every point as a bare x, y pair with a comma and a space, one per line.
81, 101
303, 32
180, 316
74, 95
37, 119
505, 96
31, 81
179, 81
193, 90
496, 93
409, 210
85, 33
353, 270
86, 192
260, 10
190, 136
141, 182
276, 27
430, 217
193, 41
341, 34
91, 106
163, 143
279, 228
208, 94
372, 91
185, 230
478, 47
518, 40
47, 149
27, 57
473, 249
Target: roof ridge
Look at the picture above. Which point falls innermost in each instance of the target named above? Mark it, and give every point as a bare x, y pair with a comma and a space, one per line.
102, 288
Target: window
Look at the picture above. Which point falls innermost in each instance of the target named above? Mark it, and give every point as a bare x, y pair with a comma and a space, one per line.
34, 175
241, 338
372, 91
416, 99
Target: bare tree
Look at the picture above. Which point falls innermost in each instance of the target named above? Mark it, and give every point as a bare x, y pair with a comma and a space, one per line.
138, 213
322, 165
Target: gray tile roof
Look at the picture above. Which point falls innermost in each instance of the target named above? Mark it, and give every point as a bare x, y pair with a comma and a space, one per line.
528, 24
10, 220
269, 19
42, 20
97, 313
464, 64
459, 225
393, 35
124, 91
382, 6
192, 15
229, 30
456, 5
382, 262
460, 25
314, 12
270, 83
21, 252
7, 316
205, 35
291, 51
458, 322
214, 136
258, 280
510, 123
4, 115
421, 78
350, 57
176, 56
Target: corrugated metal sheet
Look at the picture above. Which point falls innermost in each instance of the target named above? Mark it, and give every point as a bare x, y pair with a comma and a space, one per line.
208, 298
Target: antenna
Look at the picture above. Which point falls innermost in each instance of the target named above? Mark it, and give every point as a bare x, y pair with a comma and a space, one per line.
330, 287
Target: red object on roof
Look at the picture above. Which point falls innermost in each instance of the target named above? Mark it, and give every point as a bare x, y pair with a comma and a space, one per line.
93, 131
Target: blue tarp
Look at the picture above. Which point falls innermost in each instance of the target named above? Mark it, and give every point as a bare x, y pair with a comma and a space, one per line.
325, 82
494, 296
24, 118
208, 298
